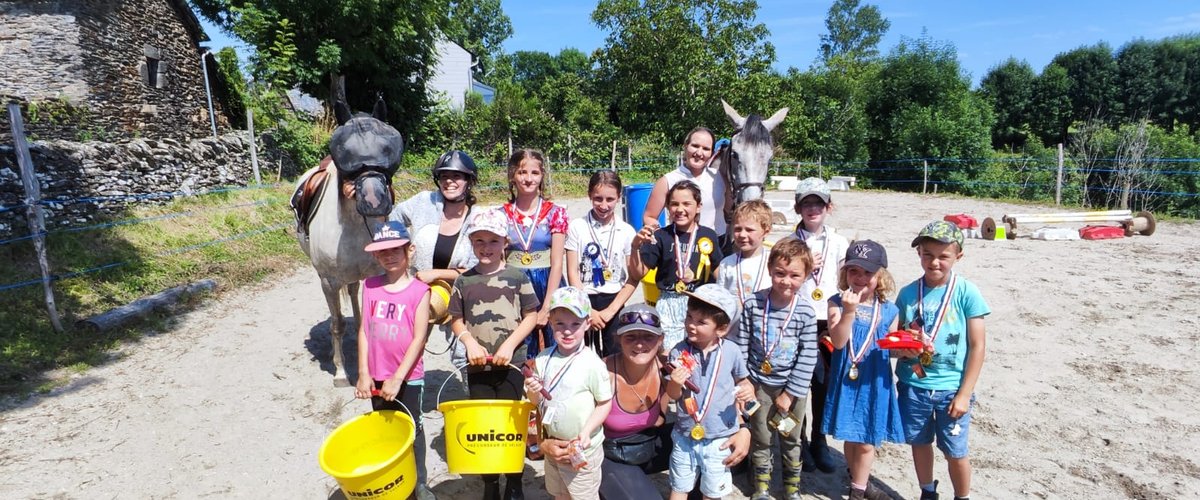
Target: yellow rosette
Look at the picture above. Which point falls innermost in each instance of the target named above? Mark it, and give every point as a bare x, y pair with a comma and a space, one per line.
705, 246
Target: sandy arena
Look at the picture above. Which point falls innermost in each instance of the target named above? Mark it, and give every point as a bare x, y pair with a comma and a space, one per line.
1087, 391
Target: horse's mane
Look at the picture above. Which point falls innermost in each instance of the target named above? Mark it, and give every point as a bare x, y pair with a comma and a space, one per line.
753, 131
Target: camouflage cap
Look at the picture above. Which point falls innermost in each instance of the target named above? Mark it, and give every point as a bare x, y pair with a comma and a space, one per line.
571, 299
812, 186
941, 231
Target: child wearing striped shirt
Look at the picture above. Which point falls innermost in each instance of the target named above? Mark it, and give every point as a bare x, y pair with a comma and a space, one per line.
778, 339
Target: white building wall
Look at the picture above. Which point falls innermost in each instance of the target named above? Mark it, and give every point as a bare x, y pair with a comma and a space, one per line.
451, 78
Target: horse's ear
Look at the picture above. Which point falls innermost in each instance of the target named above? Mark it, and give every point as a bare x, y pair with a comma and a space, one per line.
342, 112
738, 120
380, 111
775, 119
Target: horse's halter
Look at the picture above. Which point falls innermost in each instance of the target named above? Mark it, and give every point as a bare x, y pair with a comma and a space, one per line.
730, 161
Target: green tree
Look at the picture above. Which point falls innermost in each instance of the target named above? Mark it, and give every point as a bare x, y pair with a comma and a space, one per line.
1008, 87
234, 85
364, 48
1093, 75
481, 27
1051, 114
921, 106
854, 31
666, 64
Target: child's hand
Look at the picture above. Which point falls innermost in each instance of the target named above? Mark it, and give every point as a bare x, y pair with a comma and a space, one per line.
476, 354
646, 235
783, 402
362, 390
556, 449
744, 393
391, 387
503, 355
680, 374
959, 406
583, 441
595, 320
851, 298
543, 317
533, 385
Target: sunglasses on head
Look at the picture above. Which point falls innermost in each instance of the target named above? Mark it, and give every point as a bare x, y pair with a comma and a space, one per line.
643, 317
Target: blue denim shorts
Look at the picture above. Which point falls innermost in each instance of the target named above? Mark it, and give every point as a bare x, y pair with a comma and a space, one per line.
924, 414
689, 457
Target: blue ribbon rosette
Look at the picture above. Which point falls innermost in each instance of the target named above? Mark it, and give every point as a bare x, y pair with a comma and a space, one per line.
592, 251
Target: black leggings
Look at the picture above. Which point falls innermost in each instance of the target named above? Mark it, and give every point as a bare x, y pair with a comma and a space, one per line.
820, 384
410, 396
497, 383
604, 342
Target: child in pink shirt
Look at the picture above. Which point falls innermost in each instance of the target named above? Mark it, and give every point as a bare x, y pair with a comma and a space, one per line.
391, 336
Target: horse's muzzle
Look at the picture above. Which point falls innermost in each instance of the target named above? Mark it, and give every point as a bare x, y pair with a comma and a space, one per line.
372, 196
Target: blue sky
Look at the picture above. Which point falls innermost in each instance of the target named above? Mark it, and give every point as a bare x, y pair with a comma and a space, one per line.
984, 33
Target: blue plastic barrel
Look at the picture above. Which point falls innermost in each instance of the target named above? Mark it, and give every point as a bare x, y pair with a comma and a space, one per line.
636, 196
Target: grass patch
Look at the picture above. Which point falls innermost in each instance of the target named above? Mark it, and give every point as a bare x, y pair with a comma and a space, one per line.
146, 258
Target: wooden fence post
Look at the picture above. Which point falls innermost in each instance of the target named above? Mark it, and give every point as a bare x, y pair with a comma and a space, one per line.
253, 145
33, 208
925, 182
570, 149
1058, 183
612, 160
629, 156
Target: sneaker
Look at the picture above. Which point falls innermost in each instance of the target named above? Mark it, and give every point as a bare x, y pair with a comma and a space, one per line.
806, 459
794, 495
857, 494
424, 493
930, 495
762, 494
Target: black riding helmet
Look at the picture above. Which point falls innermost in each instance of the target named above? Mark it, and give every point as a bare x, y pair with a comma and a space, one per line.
455, 161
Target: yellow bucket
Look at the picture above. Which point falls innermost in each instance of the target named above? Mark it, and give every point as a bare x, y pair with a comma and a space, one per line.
649, 288
485, 436
371, 456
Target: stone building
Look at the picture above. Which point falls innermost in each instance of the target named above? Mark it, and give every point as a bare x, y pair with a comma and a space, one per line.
105, 69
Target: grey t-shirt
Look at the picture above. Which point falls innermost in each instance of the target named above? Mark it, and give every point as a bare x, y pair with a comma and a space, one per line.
721, 420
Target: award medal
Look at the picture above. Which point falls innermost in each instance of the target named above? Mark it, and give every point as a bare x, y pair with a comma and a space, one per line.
817, 294
525, 239
858, 354
683, 271
552, 383
930, 336
742, 284
591, 251
698, 413
768, 347
600, 266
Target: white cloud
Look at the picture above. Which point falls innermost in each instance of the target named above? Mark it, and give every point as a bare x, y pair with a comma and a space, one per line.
1179, 24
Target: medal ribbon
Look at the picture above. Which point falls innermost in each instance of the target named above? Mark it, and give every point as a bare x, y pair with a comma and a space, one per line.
680, 263
757, 278
712, 383
941, 313
804, 236
862, 351
778, 338
558, 376
612, 234
526, 240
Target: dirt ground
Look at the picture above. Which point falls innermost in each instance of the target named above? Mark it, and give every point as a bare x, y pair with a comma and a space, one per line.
1086, 391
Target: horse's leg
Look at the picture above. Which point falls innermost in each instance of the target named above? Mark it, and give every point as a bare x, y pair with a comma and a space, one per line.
356, 310
333, 299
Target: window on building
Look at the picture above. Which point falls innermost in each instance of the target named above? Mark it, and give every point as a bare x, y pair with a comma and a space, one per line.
153, 69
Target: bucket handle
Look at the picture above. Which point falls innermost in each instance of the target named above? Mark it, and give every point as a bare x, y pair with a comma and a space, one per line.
461, 368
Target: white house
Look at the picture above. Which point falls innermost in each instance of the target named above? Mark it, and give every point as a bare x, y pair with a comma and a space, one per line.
451, 78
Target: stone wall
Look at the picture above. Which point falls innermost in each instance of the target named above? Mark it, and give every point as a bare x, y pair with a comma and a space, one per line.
121, 175
95, 56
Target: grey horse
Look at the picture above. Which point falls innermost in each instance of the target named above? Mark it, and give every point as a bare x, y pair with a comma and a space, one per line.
746, 162
366, 153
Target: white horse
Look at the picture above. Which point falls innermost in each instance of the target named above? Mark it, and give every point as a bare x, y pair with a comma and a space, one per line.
366, 152
746, 162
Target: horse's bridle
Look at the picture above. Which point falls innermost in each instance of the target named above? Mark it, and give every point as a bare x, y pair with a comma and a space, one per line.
729, 161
